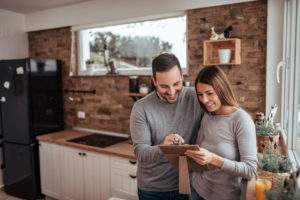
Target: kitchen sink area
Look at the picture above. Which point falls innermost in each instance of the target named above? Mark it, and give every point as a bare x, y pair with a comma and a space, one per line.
98, 140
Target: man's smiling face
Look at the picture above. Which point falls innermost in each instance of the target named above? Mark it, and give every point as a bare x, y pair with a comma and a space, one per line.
169, 84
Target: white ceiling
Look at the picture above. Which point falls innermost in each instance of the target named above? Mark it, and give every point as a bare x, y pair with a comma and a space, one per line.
31, 6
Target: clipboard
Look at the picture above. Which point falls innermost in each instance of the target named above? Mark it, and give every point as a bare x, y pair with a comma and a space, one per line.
173, 152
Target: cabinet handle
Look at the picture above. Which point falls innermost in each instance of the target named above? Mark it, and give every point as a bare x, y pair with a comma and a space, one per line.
132, 176
133, 162
80, 153
83, 154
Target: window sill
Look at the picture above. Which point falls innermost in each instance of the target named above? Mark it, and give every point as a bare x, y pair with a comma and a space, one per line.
122, 72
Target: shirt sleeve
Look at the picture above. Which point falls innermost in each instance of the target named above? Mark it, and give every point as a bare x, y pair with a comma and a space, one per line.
246, 140
141, 136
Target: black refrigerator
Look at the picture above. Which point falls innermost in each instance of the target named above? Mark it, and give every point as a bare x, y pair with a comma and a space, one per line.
30, 105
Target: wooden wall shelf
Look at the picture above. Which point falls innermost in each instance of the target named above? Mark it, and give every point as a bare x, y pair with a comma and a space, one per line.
136, 96
211, 47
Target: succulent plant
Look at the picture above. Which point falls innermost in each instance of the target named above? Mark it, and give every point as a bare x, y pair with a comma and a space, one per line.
266, 128
90, 61
272, 161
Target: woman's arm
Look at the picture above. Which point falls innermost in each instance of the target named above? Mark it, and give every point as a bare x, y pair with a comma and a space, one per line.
245, 137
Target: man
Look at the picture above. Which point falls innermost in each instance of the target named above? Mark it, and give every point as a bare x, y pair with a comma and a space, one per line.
172, 111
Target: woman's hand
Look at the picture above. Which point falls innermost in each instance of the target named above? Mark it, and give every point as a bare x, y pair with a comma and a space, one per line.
204, 157
170, 138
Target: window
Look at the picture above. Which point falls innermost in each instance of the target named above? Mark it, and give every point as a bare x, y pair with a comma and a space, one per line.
290, 118
131, 47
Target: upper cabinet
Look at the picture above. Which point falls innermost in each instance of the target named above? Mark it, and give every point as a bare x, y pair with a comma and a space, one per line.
211, 52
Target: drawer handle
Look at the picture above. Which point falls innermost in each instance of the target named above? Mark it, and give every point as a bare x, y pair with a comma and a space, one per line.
131, 176
132, 162
80, 153
83, 154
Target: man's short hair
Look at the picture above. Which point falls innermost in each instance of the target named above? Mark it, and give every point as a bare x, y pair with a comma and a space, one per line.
164, 62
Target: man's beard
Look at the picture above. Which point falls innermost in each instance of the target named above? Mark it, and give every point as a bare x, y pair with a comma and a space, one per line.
163, 96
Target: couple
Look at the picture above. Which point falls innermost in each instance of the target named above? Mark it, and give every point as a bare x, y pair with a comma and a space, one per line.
227, 134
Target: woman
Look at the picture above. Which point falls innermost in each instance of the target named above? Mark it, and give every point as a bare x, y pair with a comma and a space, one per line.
227, 140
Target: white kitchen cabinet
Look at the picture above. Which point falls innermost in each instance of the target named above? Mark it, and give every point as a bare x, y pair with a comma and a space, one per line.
84, 174
123, 178
96, 173
50, 169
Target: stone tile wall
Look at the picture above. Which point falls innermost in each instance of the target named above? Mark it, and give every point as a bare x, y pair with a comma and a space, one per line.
109, 109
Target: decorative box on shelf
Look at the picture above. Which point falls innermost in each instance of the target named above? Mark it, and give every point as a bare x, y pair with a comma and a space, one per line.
211, 51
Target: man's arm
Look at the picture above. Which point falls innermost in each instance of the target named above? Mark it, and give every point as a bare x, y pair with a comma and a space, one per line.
141, 136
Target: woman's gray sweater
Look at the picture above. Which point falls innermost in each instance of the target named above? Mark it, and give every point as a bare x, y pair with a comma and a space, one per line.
233, 138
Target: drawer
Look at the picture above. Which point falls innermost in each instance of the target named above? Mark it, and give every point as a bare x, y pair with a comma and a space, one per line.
124, 164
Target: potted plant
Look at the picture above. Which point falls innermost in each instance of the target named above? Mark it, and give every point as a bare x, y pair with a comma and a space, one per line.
90, 65
263, 131
272, 165
89, 61
286, 191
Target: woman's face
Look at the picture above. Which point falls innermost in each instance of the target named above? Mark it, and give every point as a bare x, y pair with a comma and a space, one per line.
209, 98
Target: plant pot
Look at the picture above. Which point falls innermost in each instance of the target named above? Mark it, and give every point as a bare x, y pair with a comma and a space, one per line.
275, 178
90, 69
224, 55
265, 140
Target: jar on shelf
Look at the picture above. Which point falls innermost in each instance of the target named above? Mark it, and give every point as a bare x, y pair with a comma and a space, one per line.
143, 88
133, 84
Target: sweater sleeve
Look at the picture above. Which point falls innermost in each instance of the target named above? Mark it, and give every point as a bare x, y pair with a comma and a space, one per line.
141, 136
246, 141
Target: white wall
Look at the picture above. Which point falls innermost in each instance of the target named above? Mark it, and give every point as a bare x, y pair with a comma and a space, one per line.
112, 10
13, 43
13, 38
274, 54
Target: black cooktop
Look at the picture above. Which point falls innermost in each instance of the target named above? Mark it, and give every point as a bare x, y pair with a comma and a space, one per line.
98, 140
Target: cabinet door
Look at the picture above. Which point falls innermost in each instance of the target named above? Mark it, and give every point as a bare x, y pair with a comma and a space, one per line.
50, 169
71, 173
97, 176
123, 178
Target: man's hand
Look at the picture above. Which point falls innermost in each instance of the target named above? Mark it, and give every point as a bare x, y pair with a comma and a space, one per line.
170, 138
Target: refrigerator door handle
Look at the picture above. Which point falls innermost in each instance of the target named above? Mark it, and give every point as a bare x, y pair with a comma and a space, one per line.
3, 156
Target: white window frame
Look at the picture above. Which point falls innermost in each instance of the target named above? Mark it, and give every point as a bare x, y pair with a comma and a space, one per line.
123, 71
290, 79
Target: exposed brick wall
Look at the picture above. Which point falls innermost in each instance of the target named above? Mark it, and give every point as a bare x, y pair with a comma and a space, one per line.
249, 22
109, 110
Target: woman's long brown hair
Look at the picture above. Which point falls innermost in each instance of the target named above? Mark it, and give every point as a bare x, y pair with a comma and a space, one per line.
215, 77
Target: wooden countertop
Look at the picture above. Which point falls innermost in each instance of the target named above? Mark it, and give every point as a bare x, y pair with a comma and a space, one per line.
123, 149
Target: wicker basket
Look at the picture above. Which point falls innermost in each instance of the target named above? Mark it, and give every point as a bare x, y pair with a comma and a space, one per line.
265, 140
275, 178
